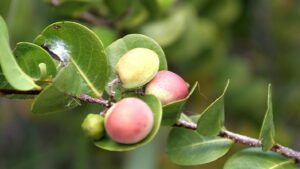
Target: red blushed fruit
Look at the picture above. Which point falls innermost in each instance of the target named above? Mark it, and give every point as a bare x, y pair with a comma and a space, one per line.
167, 87
129, 121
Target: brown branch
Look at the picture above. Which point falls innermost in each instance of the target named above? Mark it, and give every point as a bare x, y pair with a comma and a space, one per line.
246, 140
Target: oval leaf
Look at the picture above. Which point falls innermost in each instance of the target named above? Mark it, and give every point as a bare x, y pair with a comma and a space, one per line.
255, 158
11, 70
267, 132
108, 144
58, 96
30, 56
187, 147
118, 48
211, 120
75, 43
171, 111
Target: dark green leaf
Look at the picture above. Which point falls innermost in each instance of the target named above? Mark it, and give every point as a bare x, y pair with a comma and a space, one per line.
11, 70
171, 111
109, 144
118, 48
78, 45
57, 96
118, 7
212, 119
187, 147
30, 56
51, 100
267, 132
254, 158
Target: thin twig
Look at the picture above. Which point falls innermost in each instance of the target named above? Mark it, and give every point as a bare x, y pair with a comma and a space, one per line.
246, 140
94, 20
111, 86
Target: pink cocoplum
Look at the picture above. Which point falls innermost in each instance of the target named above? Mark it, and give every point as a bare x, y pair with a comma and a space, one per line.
167, 87
129, 121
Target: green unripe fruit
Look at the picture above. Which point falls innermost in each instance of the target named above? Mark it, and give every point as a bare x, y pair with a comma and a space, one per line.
93, 126
137, 67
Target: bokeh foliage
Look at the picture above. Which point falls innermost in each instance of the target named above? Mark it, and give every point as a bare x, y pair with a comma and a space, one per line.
251, 42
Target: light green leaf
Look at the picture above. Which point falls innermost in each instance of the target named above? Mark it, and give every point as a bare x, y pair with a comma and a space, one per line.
108, 144
212, 119
107, 35
30, 56
164, 31
255, 158
187, 147
118, 48
172, 111
11, 70
267, 132
76, 44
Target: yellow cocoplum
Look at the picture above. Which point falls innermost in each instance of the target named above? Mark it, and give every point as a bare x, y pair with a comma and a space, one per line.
93, 126
167, 87
137, 67
129, 121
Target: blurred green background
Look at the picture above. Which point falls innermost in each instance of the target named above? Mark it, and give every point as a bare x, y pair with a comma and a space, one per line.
251, 42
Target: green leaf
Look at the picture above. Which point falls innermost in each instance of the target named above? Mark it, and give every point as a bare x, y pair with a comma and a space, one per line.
107, 35
76, 44
118, 48
51, 100
118, 7
212, 119
255, 158
152, 6
30, 56
267, 132
163, 31
172, 111
187, 147
69, 82
56, 97
156, 107
11, 70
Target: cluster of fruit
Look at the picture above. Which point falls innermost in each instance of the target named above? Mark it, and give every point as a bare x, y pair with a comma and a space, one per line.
130, 120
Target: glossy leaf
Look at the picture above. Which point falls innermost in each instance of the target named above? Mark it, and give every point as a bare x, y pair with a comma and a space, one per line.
118, 48
212, 119
172, 111
255, 158
11, 70
155, 105
78, 45
267, 132
30, 56
187, 147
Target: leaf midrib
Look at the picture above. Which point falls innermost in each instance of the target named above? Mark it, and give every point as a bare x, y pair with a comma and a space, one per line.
281, 164
92, 87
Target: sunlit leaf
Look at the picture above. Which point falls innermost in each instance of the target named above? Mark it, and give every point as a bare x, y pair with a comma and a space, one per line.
11, 70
